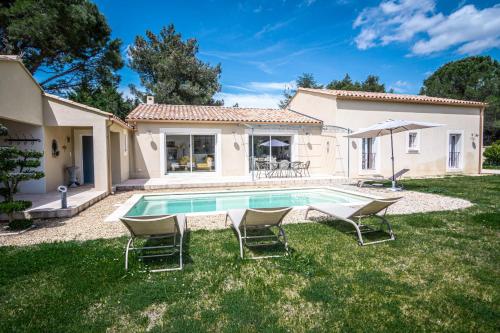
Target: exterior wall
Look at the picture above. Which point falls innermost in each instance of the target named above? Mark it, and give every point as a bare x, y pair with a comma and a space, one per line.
120, 146
55, 166
20, 130
432, 156
315, 105
20, 96
149, 140
77, 148
59, 113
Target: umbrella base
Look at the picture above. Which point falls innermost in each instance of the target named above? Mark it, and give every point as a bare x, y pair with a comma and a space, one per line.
394, 188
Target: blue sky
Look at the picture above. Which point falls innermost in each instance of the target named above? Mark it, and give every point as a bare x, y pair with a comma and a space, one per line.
264, 45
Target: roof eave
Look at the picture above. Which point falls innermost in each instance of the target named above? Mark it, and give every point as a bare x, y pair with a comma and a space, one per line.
132, 120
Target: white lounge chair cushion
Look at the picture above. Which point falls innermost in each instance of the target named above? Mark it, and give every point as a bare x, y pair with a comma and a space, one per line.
182, 224
341, 211
236, 216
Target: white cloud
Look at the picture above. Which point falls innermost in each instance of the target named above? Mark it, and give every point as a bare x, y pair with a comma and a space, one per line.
125, 91
400, 86
401, 83
248, 100
263, 86
272, 27
467, 30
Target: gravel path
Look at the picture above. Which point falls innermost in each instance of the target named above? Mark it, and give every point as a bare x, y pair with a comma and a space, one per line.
90, 224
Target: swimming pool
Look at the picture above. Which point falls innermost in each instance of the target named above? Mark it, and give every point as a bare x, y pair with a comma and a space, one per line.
164, 204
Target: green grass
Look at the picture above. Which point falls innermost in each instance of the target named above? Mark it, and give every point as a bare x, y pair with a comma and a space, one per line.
441, 274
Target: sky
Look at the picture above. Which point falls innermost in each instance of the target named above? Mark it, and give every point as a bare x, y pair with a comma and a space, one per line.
263, 46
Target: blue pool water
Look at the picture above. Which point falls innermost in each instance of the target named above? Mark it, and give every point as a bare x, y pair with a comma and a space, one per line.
222, 201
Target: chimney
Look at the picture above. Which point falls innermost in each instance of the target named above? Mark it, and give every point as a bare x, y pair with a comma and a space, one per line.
150, 100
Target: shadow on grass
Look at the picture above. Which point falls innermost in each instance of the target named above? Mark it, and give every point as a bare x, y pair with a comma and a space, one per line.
268, 245
170, 261
370, 230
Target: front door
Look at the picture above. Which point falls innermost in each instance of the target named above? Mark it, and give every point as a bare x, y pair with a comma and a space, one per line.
88, 159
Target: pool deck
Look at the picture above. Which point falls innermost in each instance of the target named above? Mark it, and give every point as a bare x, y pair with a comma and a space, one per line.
48, 205
204, 181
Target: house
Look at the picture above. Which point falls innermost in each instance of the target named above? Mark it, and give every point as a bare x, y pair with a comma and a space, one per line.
202, 142
452, 148
69, 133
205, 141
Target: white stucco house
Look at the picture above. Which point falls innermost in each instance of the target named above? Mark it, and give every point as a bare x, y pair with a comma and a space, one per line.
160, 141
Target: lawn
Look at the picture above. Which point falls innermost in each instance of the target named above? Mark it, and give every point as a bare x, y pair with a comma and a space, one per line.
441, 274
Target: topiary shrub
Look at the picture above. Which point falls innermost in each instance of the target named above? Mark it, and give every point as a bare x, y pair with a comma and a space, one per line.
20, 224
16, 166
492, 154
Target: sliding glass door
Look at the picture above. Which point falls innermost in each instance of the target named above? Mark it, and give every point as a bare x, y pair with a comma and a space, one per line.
270, 149
190, 153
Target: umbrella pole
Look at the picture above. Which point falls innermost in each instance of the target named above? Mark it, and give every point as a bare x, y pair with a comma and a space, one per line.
392, 158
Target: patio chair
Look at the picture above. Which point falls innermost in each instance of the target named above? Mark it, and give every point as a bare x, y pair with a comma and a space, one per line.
353, 216
302, 168
245, 220
379, 178
284, 168
157, 227
261, 167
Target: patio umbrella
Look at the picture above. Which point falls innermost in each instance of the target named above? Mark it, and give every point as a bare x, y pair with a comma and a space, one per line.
389, 127
274, 143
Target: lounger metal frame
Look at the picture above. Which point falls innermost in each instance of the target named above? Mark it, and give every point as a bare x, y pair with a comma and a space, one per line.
175, 247
281, 233
355, 221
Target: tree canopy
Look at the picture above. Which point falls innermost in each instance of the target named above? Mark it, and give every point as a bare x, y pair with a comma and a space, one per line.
169, 70
105, 97
305, 80
371, 84
64, 41
472, 78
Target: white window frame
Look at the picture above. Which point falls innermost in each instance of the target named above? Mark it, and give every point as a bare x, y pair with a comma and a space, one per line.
461, 146
376, 145
271, 132
191, 131
415, 149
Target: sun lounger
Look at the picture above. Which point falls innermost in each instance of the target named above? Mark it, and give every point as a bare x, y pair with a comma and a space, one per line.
245, 220
379, 178
355, 215
156, 227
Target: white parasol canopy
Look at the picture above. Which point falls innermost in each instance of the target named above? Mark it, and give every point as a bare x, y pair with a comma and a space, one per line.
389, 127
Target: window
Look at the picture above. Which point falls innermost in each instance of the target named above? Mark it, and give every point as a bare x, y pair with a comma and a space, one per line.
190, 153
368, 154
126, 143
454, 158
270, 149
413, 141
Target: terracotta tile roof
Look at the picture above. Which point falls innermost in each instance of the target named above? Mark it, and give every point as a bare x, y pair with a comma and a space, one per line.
203, 113
397, 98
